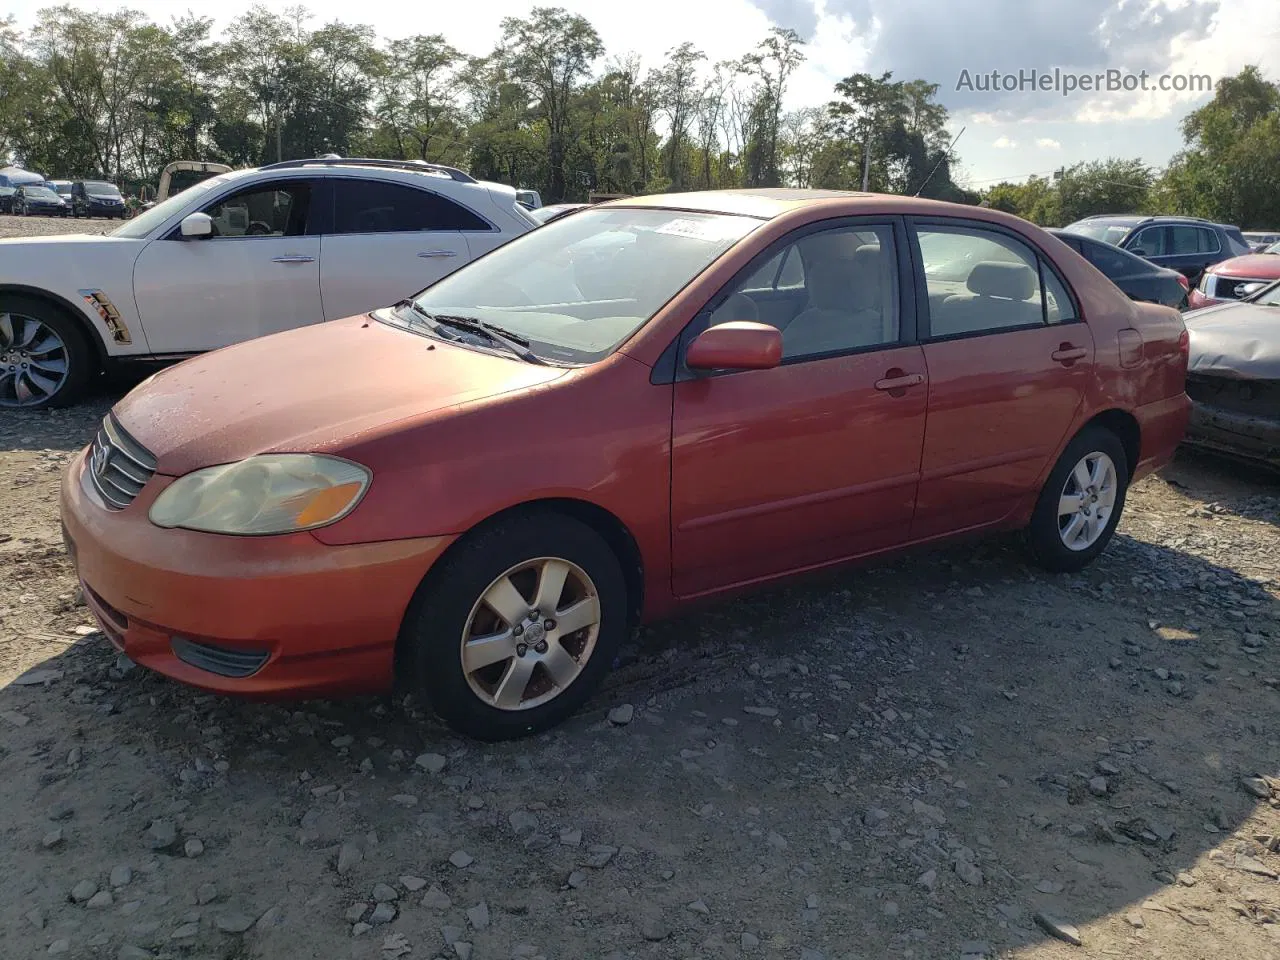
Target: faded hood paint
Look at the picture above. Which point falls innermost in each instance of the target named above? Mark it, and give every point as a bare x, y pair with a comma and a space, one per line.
1240, 340
313, 389
1253, 266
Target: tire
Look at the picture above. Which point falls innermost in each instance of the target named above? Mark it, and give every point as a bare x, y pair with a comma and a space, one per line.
431, 638
1046, 535
81, 360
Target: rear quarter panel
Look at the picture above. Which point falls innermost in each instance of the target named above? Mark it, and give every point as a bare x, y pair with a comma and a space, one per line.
1138, 366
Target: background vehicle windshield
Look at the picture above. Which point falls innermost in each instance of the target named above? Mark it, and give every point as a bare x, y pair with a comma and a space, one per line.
578, 287
43, 193
1268, 296
143, 224
97, 187
1111, 233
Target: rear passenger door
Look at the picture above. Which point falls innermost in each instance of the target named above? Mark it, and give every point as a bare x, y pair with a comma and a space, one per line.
1008, 361
383, 241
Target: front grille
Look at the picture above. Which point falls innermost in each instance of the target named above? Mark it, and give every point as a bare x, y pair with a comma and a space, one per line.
1228, 288
223, 661
119, 466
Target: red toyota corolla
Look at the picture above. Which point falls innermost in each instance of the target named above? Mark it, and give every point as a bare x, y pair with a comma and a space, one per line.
479, 492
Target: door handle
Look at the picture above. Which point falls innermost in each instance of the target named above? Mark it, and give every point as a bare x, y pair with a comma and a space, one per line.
899, 381
298, 259
1069, 354
433, 254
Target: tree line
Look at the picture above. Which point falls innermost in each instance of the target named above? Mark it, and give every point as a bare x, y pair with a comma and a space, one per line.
1227, 171
117, 96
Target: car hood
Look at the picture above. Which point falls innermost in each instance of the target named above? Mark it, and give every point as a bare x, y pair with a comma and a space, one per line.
315, 389
1258, 266
1235, 340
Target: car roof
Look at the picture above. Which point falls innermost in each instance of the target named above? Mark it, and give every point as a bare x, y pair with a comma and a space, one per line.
763, 202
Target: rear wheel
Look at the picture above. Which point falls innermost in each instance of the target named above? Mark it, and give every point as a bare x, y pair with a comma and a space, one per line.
1080, 505
45, 358
514, 631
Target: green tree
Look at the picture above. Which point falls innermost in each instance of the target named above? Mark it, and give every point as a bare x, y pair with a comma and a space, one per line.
551, 53
1104, 186
1228, 170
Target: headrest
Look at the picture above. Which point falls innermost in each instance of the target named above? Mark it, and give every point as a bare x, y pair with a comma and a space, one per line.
995, 278
828, 282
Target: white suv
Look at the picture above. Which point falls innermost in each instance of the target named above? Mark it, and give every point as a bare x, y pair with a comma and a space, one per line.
238, 256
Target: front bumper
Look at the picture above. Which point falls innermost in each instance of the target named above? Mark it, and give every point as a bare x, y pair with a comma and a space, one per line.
282, 616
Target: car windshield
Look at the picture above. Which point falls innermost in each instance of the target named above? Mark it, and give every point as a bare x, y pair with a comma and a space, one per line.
1111, 233
98, 188
43, 193
1274, 248
142, 225
578, 287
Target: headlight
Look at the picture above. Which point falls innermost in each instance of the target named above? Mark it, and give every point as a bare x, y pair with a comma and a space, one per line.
269, 494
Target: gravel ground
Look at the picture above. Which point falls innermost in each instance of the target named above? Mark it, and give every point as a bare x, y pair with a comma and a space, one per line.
949, 756
11, 226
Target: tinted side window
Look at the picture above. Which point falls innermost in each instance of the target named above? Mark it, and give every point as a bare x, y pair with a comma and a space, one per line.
982, 281
1152, 242
375, 206
1192, 240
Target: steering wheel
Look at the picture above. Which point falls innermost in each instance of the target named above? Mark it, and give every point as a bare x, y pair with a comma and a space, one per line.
258, 229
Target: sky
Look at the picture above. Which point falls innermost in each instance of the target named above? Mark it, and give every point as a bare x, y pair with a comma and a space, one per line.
954, 43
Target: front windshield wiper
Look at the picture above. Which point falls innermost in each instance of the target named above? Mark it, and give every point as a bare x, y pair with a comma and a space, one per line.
515, 343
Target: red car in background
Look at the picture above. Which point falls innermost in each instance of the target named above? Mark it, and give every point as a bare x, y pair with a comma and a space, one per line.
1236, 278
479, 492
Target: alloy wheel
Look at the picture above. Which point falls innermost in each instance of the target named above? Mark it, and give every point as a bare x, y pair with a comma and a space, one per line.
34, 361
530, 634
1087, 501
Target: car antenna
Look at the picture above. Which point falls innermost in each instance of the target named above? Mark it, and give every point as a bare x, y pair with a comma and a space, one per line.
945, 156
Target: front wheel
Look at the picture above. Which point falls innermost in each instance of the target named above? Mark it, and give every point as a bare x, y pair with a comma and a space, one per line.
1080, 505
45, 358
514, 631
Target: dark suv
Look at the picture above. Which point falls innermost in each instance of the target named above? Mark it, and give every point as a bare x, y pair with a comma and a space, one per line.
1185, 244
96, 198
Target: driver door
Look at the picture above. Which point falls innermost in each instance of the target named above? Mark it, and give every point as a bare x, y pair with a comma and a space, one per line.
258, 274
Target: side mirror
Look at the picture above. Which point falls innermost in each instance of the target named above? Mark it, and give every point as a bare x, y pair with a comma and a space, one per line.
197, 225
739, 345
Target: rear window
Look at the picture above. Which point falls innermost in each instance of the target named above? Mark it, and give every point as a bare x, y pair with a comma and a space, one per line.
1107, 232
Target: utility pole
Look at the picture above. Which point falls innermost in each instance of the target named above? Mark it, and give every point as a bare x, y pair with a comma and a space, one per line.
866, 164
279, 140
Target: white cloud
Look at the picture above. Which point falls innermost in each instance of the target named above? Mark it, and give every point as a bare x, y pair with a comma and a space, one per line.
1004, 143
1048, 143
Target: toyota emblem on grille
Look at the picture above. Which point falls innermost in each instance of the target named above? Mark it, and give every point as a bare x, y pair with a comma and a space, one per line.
98, 461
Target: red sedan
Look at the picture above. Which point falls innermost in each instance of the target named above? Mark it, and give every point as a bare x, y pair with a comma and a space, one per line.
481, 491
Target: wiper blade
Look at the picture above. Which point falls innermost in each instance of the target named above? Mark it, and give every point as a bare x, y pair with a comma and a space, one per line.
515, 343
419, 315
